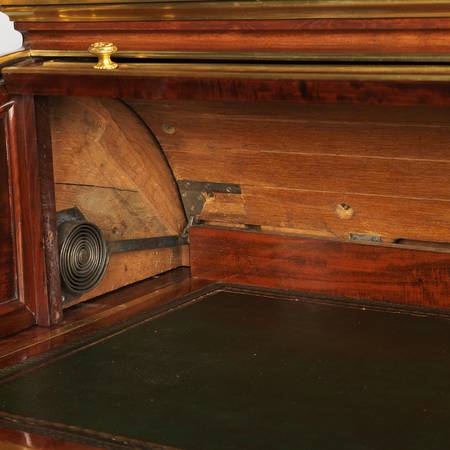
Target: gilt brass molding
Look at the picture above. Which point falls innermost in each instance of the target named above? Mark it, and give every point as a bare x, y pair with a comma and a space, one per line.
247, 56
10, 57
133, 10
247, 71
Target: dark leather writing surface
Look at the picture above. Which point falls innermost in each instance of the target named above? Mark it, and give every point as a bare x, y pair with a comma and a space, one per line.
236, 371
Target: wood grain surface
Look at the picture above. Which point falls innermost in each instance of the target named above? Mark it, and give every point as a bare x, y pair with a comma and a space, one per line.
324, 267
296, 165
358, 38
109, 166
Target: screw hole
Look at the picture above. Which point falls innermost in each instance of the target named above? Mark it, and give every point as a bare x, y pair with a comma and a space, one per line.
168, 129
344, 211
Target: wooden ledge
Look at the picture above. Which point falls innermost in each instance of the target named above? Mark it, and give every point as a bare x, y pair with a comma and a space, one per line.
242, 71
131, 10
322, 267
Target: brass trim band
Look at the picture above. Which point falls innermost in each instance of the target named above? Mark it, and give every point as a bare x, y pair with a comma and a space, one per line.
227, 56
245, 71
21, 54
247, 56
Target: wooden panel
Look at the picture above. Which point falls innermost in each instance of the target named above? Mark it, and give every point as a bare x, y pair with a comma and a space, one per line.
296, 164
323, 37
403, 133
47, 200
17, 320
14, 313
354, 271
317, 42
100, 143
415, 179
128, 268
108, 165
402, 14
315, 213
121, 214
29, 162
7, 252
221, 87
23, 283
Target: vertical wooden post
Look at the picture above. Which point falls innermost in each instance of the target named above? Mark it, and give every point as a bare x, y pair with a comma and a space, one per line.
48, 212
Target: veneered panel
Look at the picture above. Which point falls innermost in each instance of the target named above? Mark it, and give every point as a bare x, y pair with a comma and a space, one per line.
7, 253
338, 269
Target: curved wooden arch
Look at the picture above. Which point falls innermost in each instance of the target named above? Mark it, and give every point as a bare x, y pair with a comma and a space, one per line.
108, 164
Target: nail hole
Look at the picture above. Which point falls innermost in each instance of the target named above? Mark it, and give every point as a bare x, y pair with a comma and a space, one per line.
168, 129
344, 211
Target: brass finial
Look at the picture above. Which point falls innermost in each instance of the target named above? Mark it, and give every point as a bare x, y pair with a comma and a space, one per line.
104, 50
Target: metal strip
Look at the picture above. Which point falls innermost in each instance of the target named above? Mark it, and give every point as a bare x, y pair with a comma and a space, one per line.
15, 56
68, 215
194, 194
132, 245
245, 56
246, 71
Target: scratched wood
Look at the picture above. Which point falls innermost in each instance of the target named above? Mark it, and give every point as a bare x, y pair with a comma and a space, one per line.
128, 268
296, 164
108, 165
120, 214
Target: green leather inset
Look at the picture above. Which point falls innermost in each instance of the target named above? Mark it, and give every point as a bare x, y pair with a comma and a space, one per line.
238, 371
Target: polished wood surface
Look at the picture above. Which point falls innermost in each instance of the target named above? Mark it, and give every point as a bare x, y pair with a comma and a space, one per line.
24, 290
405, 39
324, 267
33, 268
261, 84
7, 250
129, 10
11, 439
321, 37
50, 238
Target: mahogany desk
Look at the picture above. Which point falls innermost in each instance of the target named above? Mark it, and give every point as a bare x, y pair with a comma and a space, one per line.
153, 150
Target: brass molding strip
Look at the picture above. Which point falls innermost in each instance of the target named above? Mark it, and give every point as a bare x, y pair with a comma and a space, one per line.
244, 71
20, 54
130, 10
249, 56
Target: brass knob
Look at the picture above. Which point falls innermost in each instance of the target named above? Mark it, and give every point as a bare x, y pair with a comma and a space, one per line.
104, 50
